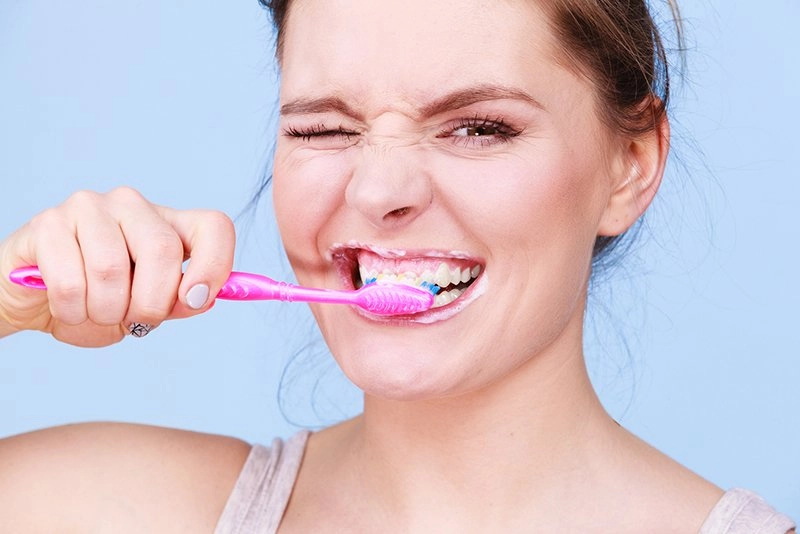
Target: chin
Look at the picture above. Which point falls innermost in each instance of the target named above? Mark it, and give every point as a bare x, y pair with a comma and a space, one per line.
398, 371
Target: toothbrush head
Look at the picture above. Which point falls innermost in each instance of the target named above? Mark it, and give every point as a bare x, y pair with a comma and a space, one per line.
394, 299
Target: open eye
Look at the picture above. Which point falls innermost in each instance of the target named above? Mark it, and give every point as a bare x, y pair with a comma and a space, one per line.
480, 131
476, 131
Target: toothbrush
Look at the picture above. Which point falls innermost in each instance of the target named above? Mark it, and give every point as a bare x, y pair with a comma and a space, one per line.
376, 298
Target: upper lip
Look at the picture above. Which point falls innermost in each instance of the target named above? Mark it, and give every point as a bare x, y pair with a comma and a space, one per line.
353, 247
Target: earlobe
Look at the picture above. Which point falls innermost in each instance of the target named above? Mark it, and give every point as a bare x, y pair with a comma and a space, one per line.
644, 160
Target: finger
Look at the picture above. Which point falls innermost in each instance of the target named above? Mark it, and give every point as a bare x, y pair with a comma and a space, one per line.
157, 254
58, 256
183, 311
28, 309
209, 238
106, 261
88, 334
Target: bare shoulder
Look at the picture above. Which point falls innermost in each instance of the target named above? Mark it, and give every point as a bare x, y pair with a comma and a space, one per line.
665, 489
116, 477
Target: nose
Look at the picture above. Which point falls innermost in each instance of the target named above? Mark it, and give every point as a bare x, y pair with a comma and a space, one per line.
388, 186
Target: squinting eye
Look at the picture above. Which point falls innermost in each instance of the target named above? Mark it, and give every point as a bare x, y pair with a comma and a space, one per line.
479, 132
475, 131
320, 132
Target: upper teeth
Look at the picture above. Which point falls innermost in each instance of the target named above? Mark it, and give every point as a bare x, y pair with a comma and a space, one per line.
443, 276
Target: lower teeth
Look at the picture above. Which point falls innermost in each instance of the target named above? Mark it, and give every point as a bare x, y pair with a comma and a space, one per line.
445, 298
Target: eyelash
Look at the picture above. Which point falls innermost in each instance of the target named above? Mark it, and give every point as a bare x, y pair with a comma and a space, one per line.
319, 131
502, 132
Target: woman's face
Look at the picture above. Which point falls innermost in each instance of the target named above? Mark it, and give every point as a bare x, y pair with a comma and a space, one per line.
440, 141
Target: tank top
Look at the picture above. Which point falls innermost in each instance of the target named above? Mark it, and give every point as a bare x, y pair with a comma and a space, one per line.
262, 491
261, 494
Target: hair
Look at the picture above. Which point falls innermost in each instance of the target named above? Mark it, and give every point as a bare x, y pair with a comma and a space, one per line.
617, 45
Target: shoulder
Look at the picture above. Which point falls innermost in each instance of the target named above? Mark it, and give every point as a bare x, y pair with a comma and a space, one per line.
132, 477
685, 502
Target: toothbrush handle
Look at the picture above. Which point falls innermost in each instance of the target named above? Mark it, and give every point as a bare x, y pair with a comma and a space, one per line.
249, 286
239, 286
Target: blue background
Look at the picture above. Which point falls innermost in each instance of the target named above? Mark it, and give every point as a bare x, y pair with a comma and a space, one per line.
693, 342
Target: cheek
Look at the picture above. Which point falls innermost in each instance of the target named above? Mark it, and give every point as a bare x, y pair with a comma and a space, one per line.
307, 191
547, 196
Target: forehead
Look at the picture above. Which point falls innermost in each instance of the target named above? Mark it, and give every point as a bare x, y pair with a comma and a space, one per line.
413, 46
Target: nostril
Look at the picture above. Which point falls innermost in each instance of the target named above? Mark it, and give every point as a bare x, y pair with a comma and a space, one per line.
399, 212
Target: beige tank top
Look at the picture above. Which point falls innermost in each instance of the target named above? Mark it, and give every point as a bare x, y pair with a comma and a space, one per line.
261, 493
265, 484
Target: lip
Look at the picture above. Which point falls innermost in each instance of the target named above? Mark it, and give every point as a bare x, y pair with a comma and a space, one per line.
344, 256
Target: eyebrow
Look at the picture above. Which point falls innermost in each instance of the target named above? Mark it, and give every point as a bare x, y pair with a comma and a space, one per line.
475, 94
451, 101
319, 105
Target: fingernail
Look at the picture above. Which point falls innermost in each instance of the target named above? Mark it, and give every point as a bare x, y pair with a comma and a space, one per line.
139, 329
197, 296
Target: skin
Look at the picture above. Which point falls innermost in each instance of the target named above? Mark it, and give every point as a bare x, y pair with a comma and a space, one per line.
485, 421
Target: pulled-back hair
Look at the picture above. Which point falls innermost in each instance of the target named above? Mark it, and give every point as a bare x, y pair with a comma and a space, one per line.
616, 44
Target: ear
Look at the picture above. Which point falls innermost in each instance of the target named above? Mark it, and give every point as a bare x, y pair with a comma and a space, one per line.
637, 179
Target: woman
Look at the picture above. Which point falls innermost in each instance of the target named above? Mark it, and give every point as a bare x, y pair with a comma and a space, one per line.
509, 156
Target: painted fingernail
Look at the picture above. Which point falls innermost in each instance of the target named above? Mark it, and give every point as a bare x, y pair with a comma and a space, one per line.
140, 329
197, 296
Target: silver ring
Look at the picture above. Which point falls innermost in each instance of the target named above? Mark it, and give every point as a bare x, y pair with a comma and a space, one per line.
139, 329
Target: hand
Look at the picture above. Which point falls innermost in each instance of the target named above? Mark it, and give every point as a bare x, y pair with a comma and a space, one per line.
111, 261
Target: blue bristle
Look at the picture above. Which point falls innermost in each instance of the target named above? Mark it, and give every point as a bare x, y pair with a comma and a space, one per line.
370, 281
433, 288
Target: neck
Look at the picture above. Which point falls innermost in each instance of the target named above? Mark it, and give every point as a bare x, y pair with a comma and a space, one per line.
505, 442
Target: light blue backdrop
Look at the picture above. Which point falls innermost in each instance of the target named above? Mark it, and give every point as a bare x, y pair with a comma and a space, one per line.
177, 99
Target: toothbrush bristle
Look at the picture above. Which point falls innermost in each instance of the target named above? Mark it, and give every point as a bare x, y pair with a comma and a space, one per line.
433, 288
395, 299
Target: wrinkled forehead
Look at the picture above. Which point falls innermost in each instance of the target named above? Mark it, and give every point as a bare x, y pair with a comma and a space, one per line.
410, 44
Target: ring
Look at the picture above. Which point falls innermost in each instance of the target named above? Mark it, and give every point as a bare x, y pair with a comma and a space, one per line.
140, 329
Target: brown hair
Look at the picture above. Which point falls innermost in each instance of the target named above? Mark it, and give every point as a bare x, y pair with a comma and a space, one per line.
616, 44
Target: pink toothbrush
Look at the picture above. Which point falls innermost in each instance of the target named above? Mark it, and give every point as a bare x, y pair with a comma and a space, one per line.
380, 299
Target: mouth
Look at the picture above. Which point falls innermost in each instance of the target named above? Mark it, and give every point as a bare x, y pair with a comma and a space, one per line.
448, 276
